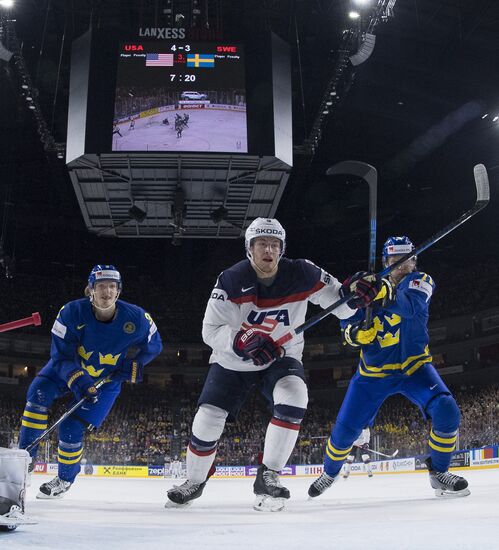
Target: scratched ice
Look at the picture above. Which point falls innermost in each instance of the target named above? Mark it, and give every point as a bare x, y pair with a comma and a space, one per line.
384, 512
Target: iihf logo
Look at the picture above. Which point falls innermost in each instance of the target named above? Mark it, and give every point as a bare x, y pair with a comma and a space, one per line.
266, 321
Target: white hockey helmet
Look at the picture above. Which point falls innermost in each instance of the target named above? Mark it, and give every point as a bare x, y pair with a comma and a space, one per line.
264, 227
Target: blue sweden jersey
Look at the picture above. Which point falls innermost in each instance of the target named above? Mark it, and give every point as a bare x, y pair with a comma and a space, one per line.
80, 341
401, 344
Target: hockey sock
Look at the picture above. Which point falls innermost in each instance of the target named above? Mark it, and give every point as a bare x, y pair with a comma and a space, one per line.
284, 426
335, 456
445, 416
33, 423
280, 440
69, 456
207, 428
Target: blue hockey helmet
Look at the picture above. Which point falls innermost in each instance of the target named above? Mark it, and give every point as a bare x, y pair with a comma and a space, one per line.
103, 272
396, 246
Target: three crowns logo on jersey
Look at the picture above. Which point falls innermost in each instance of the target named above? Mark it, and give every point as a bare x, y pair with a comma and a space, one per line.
266, 321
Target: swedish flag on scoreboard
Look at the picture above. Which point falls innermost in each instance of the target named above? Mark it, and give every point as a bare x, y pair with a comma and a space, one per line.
201, 60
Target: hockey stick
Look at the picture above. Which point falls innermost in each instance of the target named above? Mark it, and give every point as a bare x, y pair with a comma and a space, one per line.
69, 412
35, 319
393, 455
370, 175
483, 197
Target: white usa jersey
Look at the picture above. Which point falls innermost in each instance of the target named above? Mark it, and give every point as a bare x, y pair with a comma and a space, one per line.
363, 438
239, 302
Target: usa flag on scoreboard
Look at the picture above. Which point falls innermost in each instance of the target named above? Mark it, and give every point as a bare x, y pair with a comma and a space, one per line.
159, 60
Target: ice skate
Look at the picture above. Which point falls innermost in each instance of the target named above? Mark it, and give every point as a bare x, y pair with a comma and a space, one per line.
271, 496
53, 489
447, 485
181, 496
11, 515
323, 482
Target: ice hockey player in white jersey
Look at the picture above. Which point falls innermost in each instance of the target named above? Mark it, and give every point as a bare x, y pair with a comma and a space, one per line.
361, 446
253, 304
176, 468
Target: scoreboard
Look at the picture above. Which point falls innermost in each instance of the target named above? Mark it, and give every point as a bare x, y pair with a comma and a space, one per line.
135, 93
180, 95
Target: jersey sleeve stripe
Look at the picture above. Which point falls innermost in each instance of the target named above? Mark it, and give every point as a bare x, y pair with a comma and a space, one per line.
281, 300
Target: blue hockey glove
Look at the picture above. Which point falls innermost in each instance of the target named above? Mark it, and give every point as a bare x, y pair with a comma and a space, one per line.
131, 371
364, 286
256, 346
356, 335
386, 294
82, 385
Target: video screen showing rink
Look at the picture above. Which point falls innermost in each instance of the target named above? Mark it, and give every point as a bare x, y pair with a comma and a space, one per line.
180, 96
379, 513
194, 127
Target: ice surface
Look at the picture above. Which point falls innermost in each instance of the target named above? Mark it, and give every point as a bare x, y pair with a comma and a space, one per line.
387, 511
209, 130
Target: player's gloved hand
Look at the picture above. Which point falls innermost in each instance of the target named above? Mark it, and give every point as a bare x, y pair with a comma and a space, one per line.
131, 371
364, 286
356, 336
386, 294
82, 385
256, 346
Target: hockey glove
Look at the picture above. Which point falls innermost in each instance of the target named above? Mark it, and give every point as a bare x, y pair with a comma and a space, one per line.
364, 286
131, 371
386, 294
356, 336
82, 385
256, 346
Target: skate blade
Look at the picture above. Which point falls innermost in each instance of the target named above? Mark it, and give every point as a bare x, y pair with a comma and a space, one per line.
266, 503
174, 505
440, 493
13, 522
43, 496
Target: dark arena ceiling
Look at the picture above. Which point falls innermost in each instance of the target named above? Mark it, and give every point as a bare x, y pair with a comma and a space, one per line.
421, 109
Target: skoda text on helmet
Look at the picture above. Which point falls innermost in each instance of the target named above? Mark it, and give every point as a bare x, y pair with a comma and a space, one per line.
264, 227
100, 273
396, 246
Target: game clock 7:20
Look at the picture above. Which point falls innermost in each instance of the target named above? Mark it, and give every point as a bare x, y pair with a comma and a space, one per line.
182, 77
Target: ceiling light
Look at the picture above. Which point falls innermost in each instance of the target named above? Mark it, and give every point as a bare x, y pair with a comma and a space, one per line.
354, 15
495, 118
361, 2
6, 3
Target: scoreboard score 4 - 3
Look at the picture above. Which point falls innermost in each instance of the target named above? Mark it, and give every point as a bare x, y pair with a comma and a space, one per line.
180, 96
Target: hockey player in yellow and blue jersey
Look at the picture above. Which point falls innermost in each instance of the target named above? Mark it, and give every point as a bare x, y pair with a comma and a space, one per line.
92, 338
395, 358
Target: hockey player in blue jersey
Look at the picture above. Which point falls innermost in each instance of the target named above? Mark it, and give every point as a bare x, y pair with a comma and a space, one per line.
253, 304
395, 358
95, 337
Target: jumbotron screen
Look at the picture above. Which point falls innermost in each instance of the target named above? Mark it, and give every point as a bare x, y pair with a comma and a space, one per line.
180, 96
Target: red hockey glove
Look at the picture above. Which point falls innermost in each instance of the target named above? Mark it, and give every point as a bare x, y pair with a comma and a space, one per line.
364, 286
257, 346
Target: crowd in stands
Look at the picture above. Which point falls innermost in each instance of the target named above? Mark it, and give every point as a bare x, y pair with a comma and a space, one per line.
132, 100
146, 421
178, 305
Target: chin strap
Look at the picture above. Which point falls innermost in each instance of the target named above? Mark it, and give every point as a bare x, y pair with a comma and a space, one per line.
264, 272
92, 294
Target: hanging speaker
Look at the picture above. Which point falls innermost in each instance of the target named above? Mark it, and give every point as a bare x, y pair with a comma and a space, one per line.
365, 50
